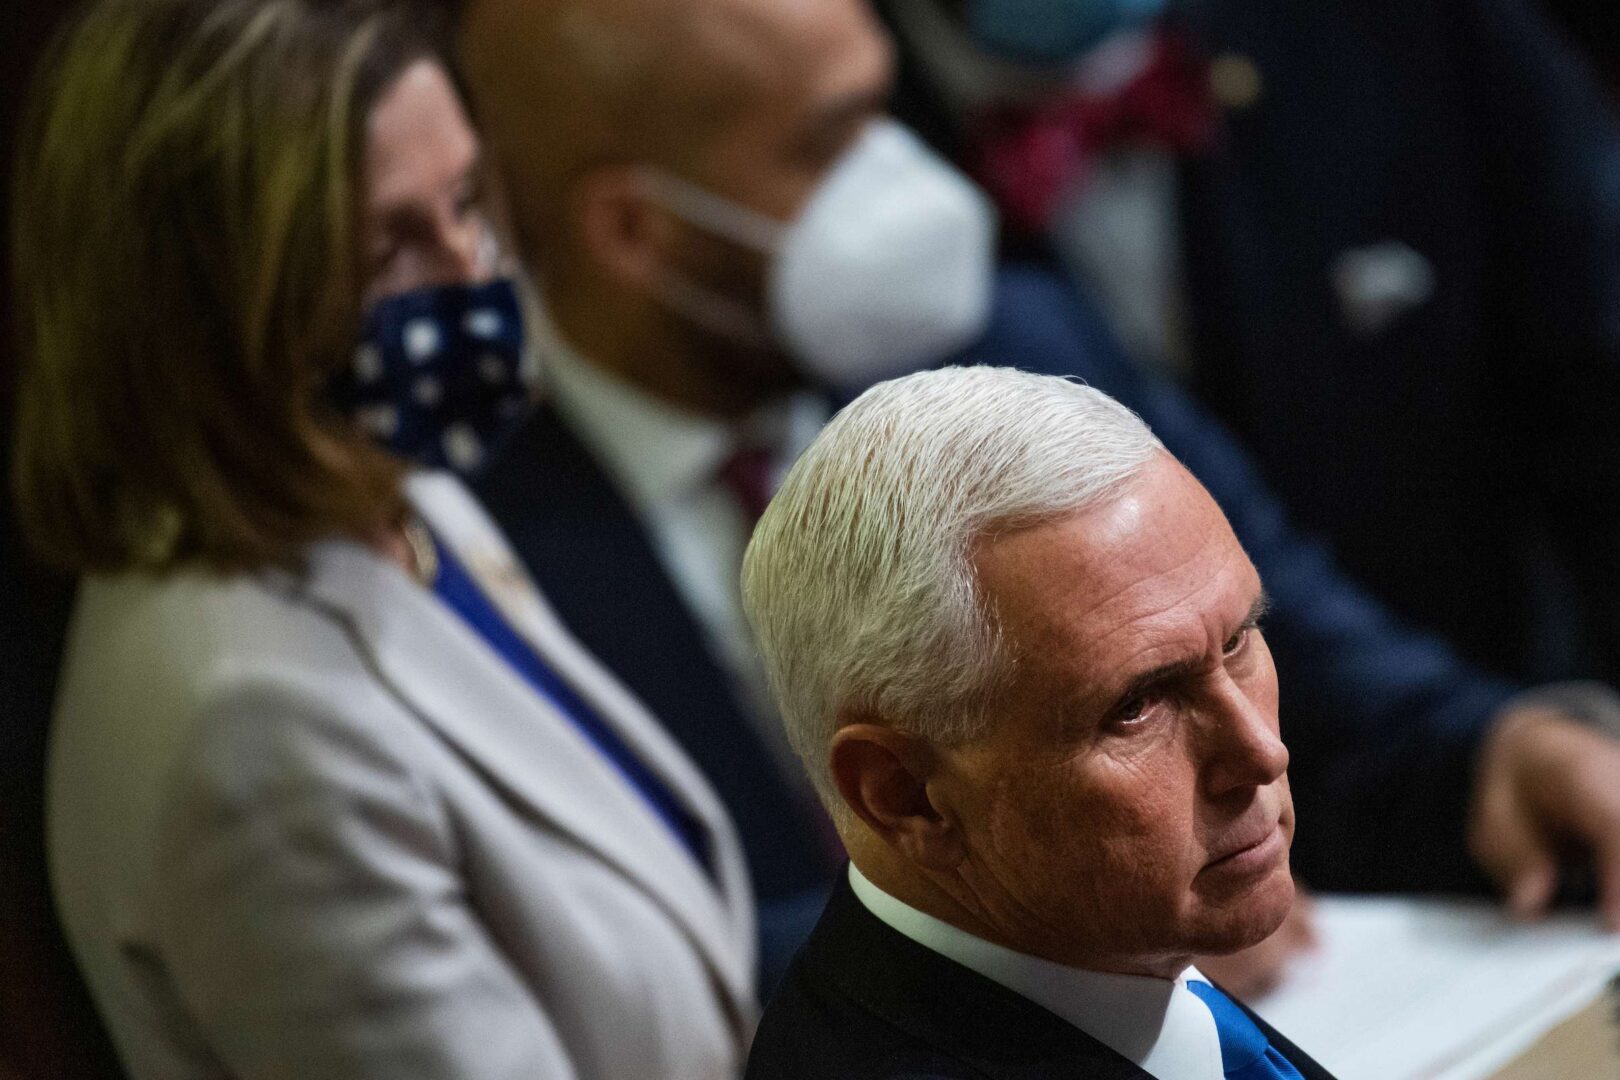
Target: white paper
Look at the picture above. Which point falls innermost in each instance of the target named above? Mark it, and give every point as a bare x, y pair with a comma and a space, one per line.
1403, 989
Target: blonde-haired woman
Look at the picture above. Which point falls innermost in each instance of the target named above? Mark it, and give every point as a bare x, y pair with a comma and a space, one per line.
331, 793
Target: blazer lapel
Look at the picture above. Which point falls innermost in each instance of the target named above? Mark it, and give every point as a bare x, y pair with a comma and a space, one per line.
596, 568
446, 675
591, 558
959, 1012
462, 524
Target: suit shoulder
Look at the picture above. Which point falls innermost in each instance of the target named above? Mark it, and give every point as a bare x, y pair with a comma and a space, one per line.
809, 1032
1040, 321
198, 675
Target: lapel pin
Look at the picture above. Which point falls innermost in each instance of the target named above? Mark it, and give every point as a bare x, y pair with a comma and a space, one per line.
1378, 284
1234, 81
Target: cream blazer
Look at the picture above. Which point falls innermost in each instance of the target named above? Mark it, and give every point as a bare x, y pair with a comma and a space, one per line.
312, 826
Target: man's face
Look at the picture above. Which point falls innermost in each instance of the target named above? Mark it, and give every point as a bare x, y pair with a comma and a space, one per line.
808, 77
752, 100
1130, 807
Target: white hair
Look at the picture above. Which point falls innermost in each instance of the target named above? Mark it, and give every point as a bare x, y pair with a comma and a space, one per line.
859, 581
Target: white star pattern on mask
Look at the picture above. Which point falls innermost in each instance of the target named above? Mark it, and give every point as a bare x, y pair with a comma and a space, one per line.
381, 420
462, 447
421, 340
492, 369
428, 392
482, 323
368, 364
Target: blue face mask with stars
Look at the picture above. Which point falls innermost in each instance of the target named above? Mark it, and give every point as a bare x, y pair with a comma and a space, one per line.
437, 377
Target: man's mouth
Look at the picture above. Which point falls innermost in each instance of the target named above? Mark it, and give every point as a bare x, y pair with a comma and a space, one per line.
1252, 849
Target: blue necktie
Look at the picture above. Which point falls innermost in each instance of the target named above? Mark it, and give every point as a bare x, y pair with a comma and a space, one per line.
1246, 1053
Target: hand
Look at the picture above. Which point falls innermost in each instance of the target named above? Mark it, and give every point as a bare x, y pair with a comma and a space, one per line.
1259, 969
1547, 787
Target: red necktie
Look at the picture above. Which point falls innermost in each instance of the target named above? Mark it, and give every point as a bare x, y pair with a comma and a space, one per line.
750, 474
1028, 159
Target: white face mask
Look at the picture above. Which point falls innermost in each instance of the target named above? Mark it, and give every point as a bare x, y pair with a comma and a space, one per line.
889, 265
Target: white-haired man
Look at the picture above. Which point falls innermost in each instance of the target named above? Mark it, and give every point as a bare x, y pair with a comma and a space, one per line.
1016, 645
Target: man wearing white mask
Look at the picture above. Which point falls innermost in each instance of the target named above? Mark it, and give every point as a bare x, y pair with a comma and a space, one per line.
727, 223
724, 225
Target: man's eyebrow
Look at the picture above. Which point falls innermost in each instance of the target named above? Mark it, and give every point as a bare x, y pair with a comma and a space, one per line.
1177, 668
1154, 676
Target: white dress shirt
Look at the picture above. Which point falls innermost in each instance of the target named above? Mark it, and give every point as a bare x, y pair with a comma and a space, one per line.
1158, 1024
666, 462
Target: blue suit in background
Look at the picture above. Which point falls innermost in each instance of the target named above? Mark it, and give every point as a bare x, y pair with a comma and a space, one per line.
1382, 739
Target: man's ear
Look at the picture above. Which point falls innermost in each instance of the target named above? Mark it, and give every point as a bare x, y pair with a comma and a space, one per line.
884, 777
623, 232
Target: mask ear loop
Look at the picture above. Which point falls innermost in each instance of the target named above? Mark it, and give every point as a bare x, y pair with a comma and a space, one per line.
490, 256
717, 314
728, 220
713, 213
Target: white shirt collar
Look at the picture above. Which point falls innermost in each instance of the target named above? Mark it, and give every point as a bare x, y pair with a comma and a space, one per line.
1158, 1024
656, 451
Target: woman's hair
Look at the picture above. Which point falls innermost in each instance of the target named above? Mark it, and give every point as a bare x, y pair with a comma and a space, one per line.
187, 258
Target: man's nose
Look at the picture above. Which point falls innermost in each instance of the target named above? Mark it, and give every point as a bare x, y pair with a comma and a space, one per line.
1240, 742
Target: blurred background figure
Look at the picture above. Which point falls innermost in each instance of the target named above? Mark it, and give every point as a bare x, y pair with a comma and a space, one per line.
1382, 241
669, 412
331, 793
728, 233
1596, 31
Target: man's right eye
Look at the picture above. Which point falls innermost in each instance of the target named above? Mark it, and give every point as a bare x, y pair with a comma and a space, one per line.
1236, 641
1131, 712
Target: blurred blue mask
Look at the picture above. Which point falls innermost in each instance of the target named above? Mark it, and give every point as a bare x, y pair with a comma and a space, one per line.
1053, 31
437, 377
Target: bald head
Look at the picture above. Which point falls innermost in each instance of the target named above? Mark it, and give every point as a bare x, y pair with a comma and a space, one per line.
562, 86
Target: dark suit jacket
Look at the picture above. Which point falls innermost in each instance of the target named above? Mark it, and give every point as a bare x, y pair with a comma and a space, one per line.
1463, 459
1481, 496
864, 1002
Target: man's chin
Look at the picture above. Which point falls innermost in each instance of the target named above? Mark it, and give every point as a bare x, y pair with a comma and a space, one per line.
1234, 923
